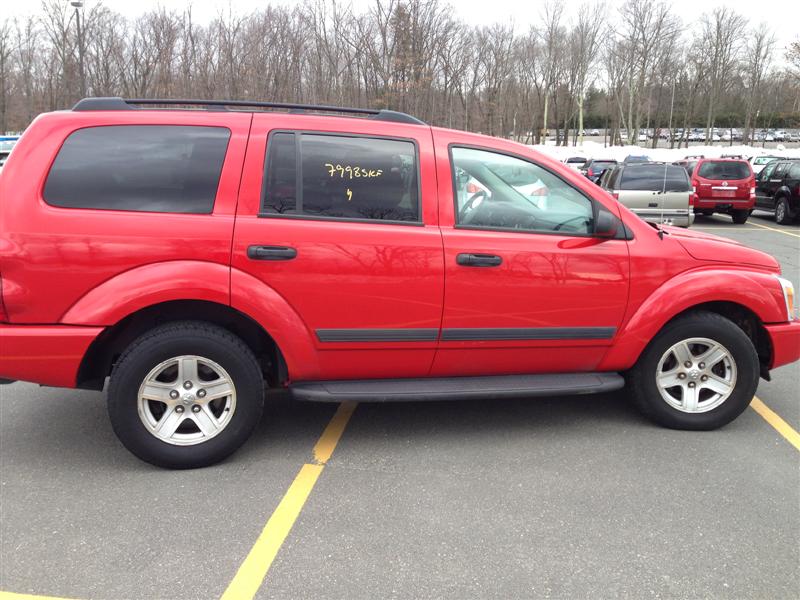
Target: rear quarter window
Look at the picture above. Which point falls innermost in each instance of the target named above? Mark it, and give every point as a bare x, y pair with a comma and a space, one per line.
141, 168
724, 169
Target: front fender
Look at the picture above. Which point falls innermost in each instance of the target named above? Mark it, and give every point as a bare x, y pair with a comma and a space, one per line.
757, 291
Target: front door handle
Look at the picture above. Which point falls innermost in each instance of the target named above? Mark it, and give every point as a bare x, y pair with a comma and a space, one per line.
271, 253
479, 260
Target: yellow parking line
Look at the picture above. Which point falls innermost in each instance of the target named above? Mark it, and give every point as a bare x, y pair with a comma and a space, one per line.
13, 596
777, 422
254, 569
783, 231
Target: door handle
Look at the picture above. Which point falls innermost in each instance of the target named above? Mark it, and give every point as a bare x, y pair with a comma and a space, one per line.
479, 260
652, 204
271, 253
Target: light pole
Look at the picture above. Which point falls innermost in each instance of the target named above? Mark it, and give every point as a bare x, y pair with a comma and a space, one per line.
78, 4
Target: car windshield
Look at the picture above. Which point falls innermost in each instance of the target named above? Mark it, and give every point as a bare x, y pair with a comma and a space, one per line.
762, 160
724, 169
657, 178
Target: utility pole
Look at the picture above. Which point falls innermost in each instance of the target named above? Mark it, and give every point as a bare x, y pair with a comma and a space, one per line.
78, 4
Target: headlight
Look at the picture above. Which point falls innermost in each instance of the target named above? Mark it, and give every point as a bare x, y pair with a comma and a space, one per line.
788, 296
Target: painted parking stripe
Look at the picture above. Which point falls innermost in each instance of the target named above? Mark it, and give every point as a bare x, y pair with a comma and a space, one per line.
13, 596
783, 231
254, 569
776, 421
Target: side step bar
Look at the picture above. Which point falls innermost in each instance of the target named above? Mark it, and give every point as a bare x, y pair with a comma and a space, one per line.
457, 388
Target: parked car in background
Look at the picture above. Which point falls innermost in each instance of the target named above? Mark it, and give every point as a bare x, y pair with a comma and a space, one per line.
576, 162
689, 163
724, 185
759, 162
778, 189
595, 167
656, 192
594, 132
6, 144
636, 158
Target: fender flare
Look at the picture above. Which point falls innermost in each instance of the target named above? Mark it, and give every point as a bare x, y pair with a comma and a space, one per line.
756, 291
139, 288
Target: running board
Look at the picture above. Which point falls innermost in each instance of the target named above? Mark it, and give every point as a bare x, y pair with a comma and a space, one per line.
457, 388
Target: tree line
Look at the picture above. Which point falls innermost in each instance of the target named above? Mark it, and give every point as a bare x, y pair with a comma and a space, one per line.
634, 66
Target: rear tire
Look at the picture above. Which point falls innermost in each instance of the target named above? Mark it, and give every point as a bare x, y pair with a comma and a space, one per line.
740, 216
185, 395
677, 396
782, 214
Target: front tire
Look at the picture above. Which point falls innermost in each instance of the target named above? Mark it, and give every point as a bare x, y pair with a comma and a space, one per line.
185, 395
699, 373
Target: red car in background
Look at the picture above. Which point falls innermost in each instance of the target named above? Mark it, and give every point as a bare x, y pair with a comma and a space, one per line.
724, 185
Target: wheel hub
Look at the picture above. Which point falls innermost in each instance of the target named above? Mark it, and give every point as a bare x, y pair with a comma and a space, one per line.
186, 400
696, 375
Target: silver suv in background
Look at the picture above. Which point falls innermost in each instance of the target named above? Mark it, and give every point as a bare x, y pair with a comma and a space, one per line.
657, 192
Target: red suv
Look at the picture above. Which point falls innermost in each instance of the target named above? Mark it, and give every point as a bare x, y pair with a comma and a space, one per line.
724, 185
193, 257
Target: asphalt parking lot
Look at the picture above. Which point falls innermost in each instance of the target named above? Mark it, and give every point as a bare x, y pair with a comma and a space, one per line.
554, 498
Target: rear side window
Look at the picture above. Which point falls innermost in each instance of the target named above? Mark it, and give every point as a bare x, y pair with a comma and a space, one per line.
341, 177
145, 168
657, 178
794, 172
724, 169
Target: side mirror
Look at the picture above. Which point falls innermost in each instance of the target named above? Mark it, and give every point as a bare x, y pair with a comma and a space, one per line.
606, 225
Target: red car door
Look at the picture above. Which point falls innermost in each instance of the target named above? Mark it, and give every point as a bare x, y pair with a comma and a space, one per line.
338, 217
528, 288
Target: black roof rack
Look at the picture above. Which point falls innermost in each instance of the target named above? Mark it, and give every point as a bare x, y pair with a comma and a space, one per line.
116, 103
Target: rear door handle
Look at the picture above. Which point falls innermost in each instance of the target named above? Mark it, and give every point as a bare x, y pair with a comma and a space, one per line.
271, 253
479, 260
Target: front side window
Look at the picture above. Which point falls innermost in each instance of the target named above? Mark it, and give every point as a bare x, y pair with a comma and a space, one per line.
142, 168
498, 191
341, 177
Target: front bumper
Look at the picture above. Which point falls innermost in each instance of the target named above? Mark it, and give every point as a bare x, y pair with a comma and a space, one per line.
785, 340
45, 354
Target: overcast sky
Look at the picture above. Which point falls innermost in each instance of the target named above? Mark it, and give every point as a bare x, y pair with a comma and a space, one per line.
783, 16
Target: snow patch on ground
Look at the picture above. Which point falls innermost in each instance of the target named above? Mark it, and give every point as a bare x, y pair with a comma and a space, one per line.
618, 153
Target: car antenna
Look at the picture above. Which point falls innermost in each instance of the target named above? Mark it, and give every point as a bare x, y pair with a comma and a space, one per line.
661, 202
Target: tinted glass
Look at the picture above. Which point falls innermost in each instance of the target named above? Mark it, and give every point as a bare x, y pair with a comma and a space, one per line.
659, 178
794, 171
497, 191
342, 177
280, 179
724, 169
780, 170
139, 168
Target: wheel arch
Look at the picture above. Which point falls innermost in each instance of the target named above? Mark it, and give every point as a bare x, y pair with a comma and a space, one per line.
744, 298
104, 351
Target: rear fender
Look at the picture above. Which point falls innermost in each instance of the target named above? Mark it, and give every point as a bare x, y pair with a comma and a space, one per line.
757, 291
149, 285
